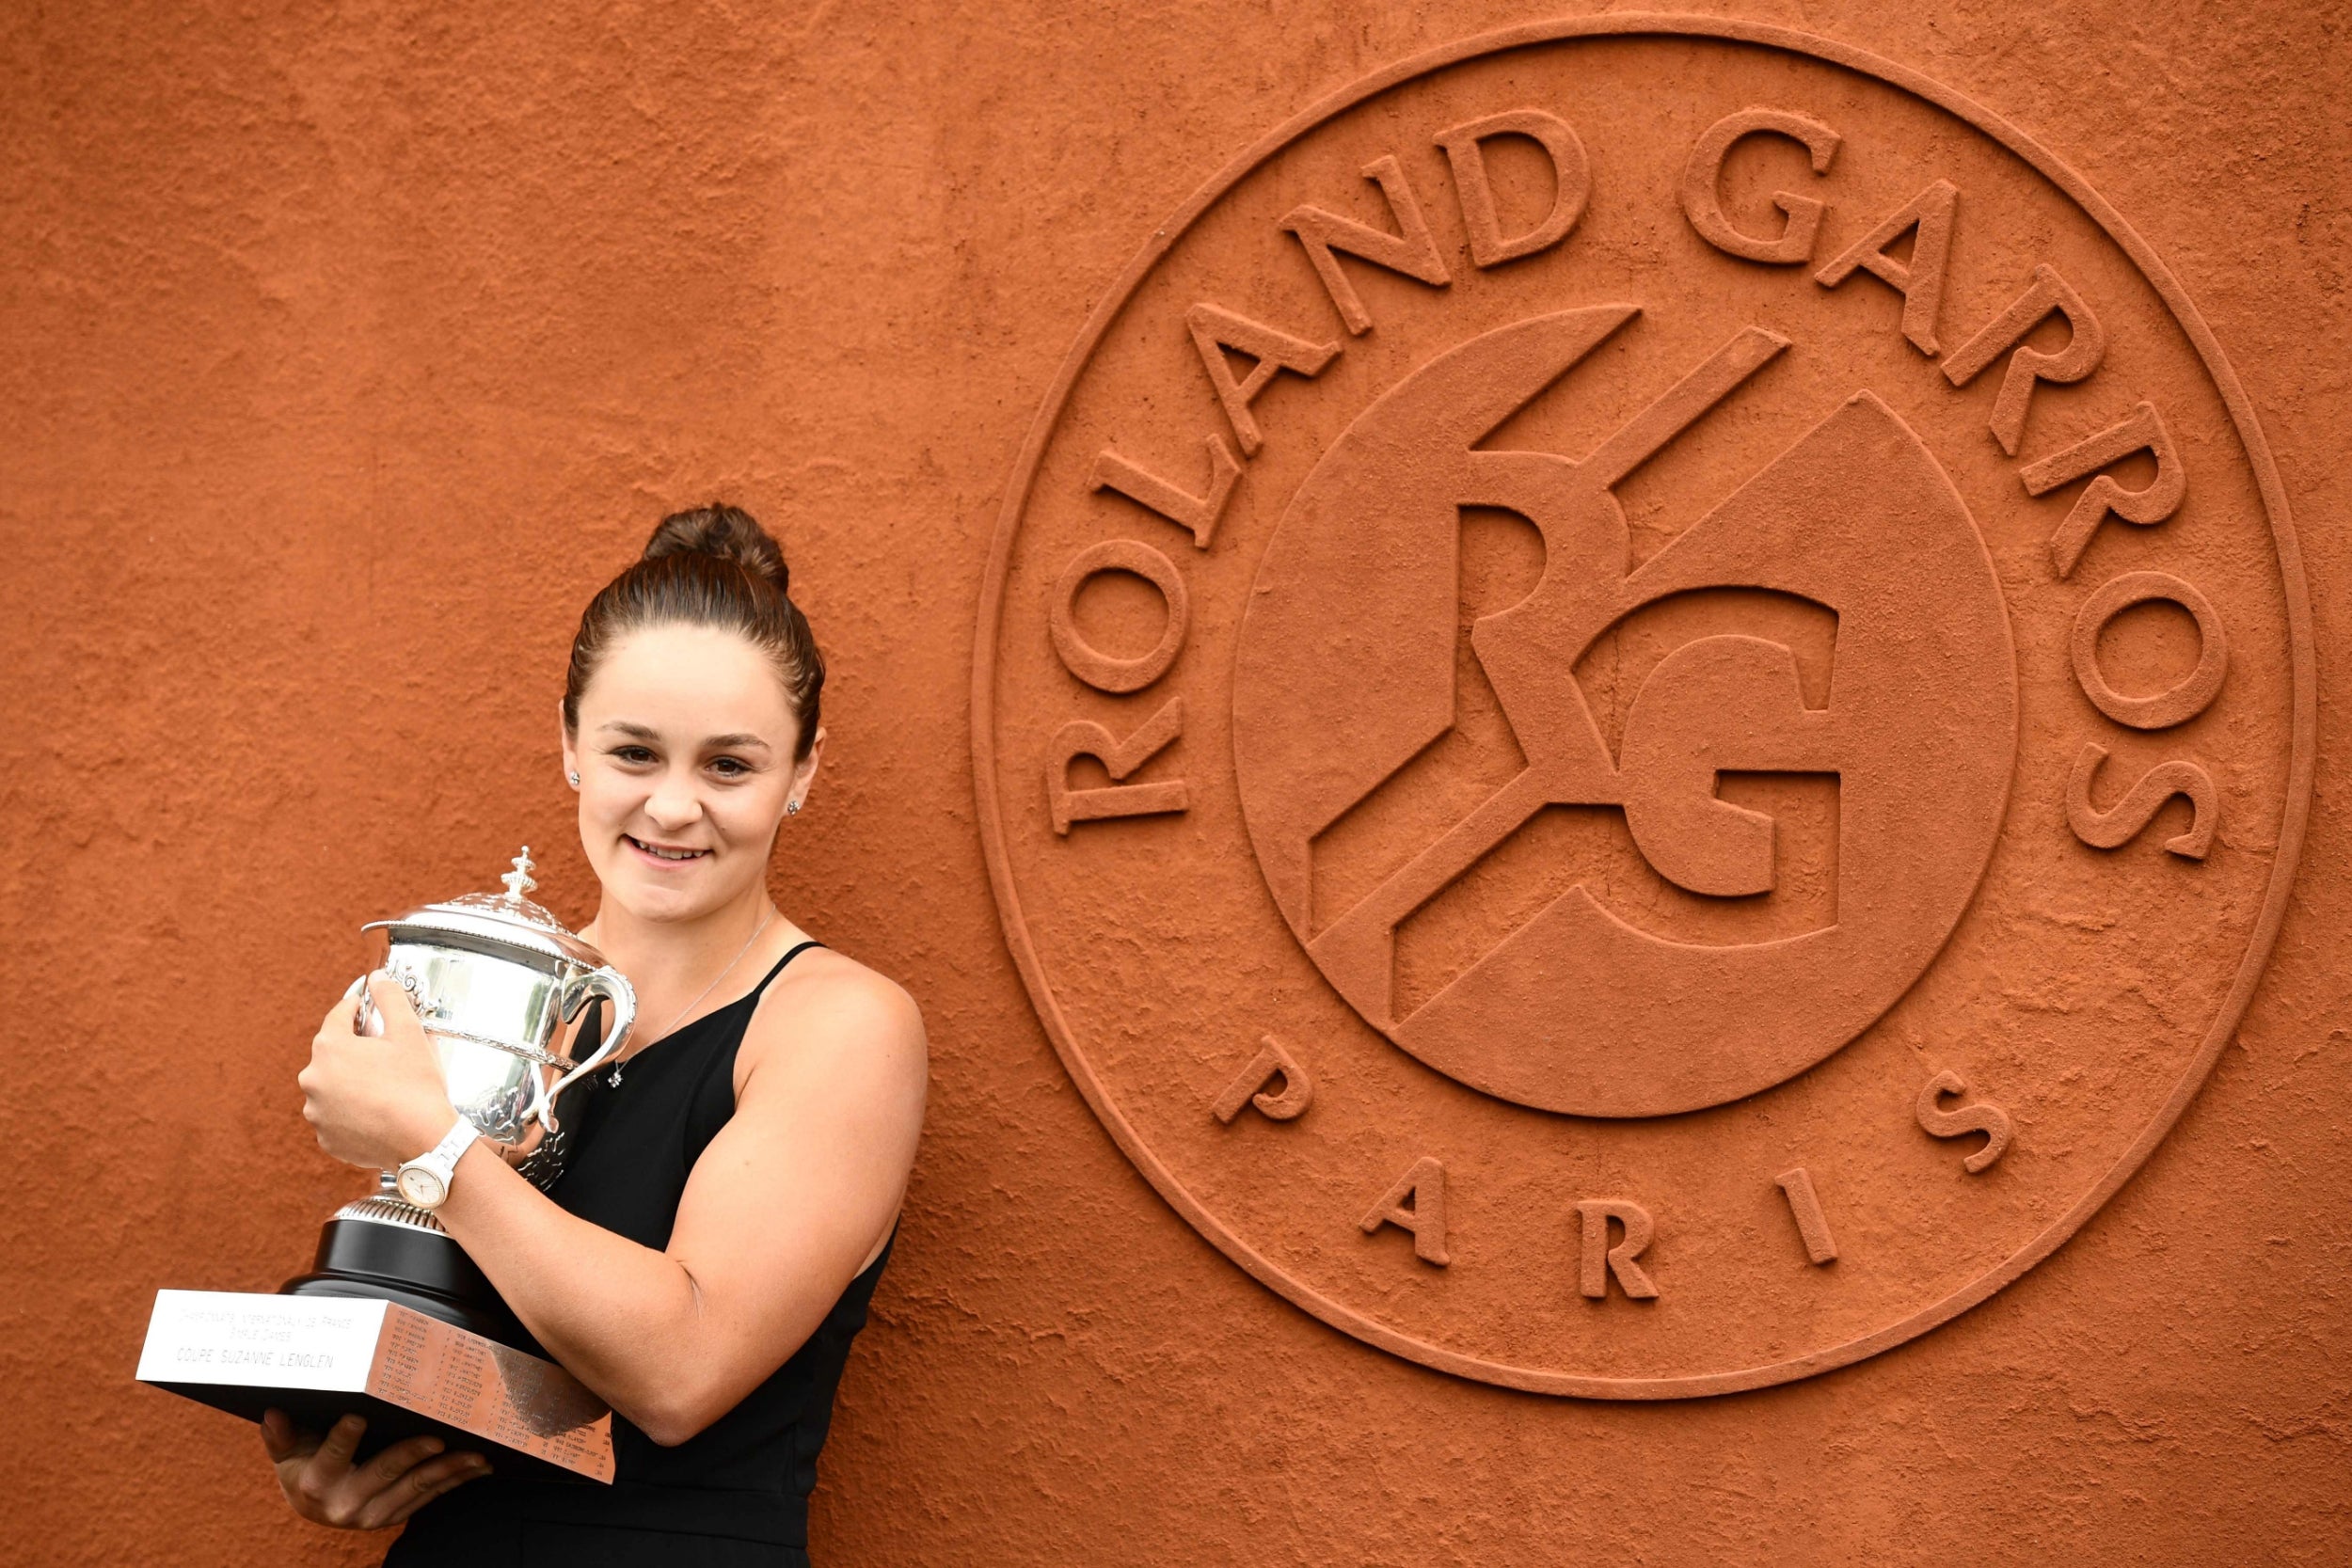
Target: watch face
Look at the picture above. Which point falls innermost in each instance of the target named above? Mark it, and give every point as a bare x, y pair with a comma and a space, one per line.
421, 1187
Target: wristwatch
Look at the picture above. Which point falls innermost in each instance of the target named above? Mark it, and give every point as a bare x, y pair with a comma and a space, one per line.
423, 1182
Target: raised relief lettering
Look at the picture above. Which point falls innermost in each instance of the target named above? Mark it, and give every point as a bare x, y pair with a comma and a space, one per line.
1215, 332
2141, 430
2087, 342
1254, 1084
1197, 513
1413, 252
1085, 738
1104, 671
2188, 697
1980, 1116
1805, 1207
1701, 187
1919, 280
1571, 174
1600, 1259
1724, 701
1416, 1203
1592, 793
2124, 821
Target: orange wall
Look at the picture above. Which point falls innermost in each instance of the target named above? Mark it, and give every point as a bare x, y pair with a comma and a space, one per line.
346, 355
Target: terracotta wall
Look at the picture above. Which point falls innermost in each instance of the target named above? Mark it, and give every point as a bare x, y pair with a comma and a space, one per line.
347, 352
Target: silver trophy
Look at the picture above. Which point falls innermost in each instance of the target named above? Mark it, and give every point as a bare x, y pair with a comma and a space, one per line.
494, 979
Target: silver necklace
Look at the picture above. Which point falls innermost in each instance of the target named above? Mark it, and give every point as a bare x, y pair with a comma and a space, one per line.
614, 1082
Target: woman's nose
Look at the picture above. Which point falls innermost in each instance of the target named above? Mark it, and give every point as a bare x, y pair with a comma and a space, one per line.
674, 804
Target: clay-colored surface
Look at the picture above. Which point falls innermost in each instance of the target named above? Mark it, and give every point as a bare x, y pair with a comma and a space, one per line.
349, 353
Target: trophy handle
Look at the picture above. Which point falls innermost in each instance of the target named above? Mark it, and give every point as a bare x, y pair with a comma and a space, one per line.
613, 986
365, 1020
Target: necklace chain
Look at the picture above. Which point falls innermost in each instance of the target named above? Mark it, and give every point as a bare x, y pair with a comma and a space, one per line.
615, 1081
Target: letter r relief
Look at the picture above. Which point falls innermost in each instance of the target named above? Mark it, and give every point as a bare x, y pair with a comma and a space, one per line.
1600, 1259
1083, 737
2087, 342
2140, 430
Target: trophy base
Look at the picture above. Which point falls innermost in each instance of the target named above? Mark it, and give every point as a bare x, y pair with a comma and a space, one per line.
381, 1249
409, 1374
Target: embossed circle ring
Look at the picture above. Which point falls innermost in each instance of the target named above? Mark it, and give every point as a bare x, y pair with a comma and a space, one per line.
1643, 707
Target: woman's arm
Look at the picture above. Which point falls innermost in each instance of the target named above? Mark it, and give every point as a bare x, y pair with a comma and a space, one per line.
789, 1201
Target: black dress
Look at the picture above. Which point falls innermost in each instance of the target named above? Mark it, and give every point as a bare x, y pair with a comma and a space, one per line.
736, 1493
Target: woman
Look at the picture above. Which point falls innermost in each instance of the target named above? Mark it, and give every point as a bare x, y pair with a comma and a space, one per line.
734, 1184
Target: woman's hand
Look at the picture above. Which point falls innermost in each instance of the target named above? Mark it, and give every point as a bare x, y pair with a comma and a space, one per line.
376, 1101
322, 1484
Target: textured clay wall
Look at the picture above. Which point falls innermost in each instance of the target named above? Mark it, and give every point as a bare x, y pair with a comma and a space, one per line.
347, 353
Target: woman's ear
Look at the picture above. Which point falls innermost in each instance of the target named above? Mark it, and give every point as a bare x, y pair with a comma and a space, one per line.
570, 745
805, 771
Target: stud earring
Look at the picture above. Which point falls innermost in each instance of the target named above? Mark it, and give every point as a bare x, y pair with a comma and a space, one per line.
573, 779
791, 808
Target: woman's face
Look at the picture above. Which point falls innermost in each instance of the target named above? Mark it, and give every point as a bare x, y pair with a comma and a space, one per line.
684, 753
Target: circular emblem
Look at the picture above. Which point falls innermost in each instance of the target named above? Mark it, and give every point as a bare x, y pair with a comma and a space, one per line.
1644, 708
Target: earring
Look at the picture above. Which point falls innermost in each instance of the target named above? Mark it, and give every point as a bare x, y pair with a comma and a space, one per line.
791, 808
573, 779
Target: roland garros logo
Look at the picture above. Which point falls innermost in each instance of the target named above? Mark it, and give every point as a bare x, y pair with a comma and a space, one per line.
1644, 707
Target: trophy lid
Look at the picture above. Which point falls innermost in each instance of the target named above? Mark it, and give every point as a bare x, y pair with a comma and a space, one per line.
507, 919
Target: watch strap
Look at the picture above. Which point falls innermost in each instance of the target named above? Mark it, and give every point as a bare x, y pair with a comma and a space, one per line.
453, 1143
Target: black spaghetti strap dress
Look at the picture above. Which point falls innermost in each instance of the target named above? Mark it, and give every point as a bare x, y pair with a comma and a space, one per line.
735, 1494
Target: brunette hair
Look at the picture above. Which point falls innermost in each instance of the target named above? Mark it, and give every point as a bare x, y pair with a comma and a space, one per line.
714, 566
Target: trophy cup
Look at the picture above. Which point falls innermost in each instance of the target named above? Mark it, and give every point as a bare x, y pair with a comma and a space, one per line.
394, 1320
492, 977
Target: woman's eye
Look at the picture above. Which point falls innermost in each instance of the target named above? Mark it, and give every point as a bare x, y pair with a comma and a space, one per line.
728, 768
633, 755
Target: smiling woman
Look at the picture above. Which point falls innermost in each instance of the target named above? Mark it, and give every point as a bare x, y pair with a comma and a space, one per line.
734, 1183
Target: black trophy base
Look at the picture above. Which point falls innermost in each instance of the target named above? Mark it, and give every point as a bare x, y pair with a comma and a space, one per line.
422, 1270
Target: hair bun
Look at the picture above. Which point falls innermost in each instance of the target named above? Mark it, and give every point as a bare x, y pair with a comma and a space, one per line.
728, 532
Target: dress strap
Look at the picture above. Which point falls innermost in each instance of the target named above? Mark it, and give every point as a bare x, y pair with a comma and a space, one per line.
723, 1059
797, 949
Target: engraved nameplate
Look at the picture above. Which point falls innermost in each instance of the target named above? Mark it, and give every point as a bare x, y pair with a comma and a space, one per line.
406, 1373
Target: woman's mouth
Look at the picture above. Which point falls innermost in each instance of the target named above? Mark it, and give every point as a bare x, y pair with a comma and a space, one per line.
667, 854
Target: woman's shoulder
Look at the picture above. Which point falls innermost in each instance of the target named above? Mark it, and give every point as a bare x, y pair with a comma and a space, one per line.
827, 1004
